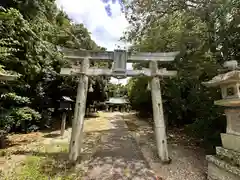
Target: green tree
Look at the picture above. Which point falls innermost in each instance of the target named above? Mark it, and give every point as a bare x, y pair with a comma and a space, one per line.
201, 32
30, 32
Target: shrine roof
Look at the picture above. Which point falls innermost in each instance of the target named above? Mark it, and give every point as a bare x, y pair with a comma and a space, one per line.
221, 79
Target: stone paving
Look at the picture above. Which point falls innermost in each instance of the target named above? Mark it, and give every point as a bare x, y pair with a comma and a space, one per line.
118, 156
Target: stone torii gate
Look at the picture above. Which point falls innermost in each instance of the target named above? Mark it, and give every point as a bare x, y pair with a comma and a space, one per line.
81, 68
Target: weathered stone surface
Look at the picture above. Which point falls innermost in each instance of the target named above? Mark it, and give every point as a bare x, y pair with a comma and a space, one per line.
231, 141
225, 166
233, 121
229, 155
158, 117
221, 170
228, 102
230, 91
216, 173
227, 78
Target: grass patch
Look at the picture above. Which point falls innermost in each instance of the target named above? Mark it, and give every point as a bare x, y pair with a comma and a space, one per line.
31, 169
37, 156
3, 153
49, 163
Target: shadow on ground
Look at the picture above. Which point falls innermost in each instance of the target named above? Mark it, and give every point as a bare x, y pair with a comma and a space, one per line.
56, 123
118, 156
52, 135
91, 115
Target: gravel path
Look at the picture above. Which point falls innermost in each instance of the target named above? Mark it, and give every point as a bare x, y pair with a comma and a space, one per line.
118, 156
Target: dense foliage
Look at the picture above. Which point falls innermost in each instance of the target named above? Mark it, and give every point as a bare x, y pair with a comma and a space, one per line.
116, 90
30, 32
207, 33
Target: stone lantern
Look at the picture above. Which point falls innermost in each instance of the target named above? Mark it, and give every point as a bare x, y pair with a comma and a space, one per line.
65, 106
225, 165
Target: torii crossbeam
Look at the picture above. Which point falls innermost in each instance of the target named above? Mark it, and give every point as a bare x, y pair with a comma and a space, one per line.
119, 59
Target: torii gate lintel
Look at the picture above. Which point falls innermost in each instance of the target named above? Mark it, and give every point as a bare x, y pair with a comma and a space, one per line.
119, 59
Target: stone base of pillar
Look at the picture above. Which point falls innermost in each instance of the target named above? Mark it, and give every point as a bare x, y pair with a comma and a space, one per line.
224, 165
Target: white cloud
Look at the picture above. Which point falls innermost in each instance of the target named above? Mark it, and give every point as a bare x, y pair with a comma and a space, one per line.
93, 15
105, 31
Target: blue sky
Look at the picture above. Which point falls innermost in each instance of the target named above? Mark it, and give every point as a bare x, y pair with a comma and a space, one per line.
103, 18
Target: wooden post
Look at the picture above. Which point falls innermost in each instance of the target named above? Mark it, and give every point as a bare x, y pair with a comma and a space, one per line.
69, 116
79, 113
63, 124
158, 116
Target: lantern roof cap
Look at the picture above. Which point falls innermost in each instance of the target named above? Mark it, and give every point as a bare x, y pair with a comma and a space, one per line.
66, 98
231, 77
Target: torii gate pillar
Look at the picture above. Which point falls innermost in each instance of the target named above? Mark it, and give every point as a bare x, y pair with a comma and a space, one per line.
79, 113
120, 58
158, 116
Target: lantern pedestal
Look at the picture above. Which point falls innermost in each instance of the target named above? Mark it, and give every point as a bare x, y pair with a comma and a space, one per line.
225, 165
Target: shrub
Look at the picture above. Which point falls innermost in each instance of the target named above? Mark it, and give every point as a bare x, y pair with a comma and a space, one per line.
19, 119
209, 131
10, 99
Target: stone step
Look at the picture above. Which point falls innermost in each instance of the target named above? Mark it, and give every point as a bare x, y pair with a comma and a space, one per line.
229, 155
221, 170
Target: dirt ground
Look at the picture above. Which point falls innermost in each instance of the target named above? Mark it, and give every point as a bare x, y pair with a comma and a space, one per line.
47, 144
188, 160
